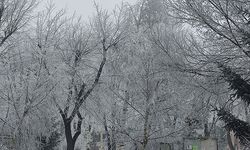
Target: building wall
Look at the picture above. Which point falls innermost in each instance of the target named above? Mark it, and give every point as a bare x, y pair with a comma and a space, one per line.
209, 144
200, 144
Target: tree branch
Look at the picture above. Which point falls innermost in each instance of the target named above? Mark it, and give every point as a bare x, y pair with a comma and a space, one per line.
85, 96
79, 124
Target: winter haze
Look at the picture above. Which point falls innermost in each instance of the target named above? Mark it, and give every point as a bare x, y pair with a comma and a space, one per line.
85, 8
146, 75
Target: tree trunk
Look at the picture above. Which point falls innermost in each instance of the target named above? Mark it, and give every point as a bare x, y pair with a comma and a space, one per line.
71, 140
70, 145
145, 130
113, 140
124, 118
206, 131
107, 132
18, 139
68, 134
113, 128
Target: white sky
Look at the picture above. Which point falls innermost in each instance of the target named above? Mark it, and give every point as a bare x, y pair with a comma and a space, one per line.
85, 7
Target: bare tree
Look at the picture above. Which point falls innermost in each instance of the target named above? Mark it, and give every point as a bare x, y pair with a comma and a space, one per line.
104, 35
14, 15
223, 26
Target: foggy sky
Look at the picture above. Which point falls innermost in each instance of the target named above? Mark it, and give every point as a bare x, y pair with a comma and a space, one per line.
85, 7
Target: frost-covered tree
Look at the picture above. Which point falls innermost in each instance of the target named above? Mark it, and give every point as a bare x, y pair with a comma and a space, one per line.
223, 26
